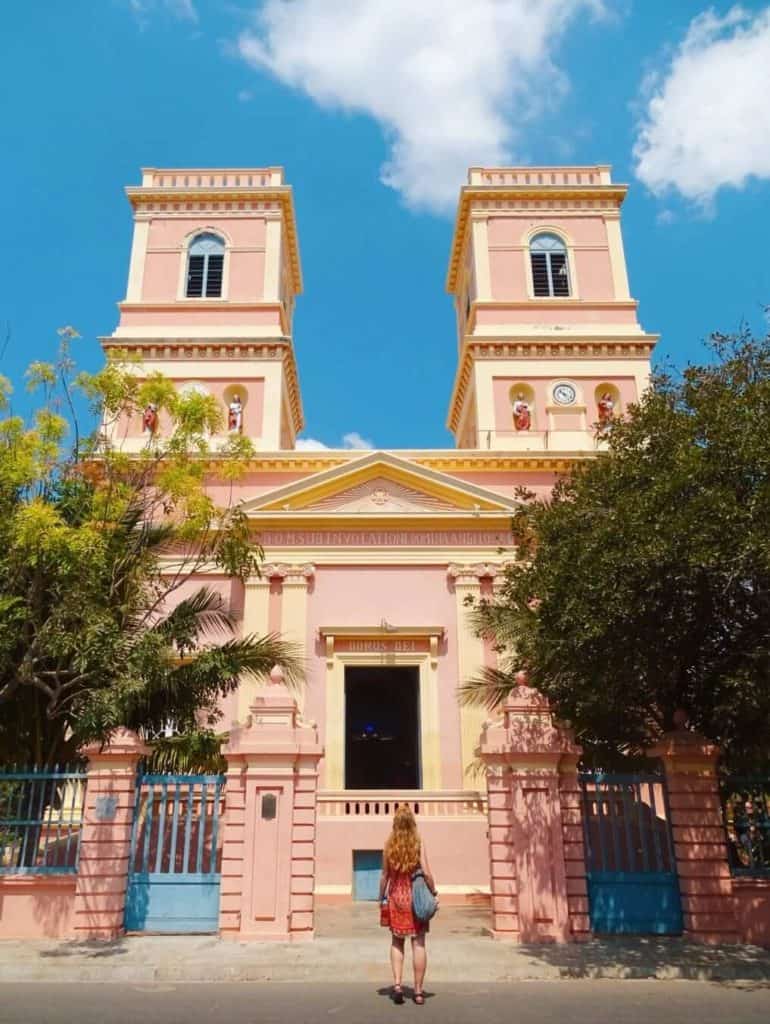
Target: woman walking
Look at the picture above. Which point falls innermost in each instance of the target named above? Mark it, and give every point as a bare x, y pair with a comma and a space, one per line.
403, 855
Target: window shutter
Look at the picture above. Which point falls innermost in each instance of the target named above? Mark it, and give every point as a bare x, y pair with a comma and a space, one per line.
195, 277
214, 276
540, 274
559, 276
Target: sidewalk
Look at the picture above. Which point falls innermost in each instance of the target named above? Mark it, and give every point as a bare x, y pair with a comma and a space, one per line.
350, 947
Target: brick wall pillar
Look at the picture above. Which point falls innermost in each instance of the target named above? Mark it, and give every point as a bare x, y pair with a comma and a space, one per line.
689, 762
100, 893
268, 851
535, 830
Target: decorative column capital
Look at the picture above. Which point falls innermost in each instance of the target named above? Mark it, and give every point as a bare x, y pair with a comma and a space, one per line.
471, 574
291, 574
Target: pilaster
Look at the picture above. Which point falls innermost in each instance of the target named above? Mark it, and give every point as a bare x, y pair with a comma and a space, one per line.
256, 621
296, 581
481, 273
466, 580
273, 256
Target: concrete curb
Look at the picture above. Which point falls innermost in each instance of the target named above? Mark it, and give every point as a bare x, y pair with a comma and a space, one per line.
191, 959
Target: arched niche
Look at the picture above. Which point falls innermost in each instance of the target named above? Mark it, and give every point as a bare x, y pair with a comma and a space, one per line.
612, 393
229, 395
195, 387
524, 393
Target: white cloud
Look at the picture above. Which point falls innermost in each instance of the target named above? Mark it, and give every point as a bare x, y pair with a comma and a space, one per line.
707, 121
184, 10
352, 440
451, 82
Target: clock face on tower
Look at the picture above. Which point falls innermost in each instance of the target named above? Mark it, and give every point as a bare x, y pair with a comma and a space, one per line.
564, 394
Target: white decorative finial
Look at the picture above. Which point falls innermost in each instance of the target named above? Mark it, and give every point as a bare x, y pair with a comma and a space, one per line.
277, 677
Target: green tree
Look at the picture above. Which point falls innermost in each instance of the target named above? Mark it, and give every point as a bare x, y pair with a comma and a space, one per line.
103, 618
641, 587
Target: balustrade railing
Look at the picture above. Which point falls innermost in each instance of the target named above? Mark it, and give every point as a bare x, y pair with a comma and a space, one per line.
359, 803
41, 813
746, 810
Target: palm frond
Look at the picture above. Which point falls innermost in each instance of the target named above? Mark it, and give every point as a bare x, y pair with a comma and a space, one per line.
198, 751
255, 656
488, 689
204, 610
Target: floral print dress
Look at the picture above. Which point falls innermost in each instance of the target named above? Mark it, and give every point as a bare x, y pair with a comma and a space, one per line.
403, 923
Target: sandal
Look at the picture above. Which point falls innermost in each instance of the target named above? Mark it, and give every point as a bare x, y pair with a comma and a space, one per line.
397, 995
419, 998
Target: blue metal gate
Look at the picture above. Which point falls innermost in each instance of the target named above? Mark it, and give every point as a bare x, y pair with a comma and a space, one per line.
174, 866
633, 887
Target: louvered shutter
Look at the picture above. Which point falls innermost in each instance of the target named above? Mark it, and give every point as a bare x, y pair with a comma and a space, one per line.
195, 268
559, 276
540, 281
214, 276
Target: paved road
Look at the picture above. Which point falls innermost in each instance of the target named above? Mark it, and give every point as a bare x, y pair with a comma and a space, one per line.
580, 1002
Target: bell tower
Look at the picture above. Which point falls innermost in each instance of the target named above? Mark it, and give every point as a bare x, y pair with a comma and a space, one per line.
550, 347
212, 282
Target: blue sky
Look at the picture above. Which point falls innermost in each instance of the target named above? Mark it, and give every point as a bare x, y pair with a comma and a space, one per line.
375, 109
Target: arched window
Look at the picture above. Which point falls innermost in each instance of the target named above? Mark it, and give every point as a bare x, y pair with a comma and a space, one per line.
205, 264
550, 274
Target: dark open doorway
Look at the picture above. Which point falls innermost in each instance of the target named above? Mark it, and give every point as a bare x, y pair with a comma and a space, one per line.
382, 727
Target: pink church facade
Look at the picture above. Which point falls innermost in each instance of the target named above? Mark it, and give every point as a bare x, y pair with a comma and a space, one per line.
371, 562
371, 558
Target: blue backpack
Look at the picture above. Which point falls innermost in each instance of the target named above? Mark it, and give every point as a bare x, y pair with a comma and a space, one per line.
423, 900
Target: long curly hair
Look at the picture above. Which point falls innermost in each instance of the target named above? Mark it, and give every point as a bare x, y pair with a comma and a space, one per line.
402, 849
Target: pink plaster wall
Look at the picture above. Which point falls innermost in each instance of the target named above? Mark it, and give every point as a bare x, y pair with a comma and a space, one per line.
337, 838
751, 900
563, 420
245, 238
36, 907
405, 596
556, 311
202, 313
541, 483
509, 265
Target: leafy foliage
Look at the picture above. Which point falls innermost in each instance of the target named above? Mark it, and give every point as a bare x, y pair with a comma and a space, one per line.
103, 618
642, 586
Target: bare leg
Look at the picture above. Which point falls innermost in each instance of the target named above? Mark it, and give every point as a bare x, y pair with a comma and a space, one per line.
397, 959
419, 961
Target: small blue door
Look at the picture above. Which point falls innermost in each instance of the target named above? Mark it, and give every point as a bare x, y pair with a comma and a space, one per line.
173, 881
367, 866
633, 888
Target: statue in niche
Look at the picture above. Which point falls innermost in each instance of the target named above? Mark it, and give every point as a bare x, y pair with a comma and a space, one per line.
150, 419
235, 415
522, 417
606, 409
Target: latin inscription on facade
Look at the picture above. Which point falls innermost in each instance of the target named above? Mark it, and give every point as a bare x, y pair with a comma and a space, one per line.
385, 538
373, 645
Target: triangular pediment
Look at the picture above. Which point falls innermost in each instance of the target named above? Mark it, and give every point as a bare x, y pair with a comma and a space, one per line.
379, 484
